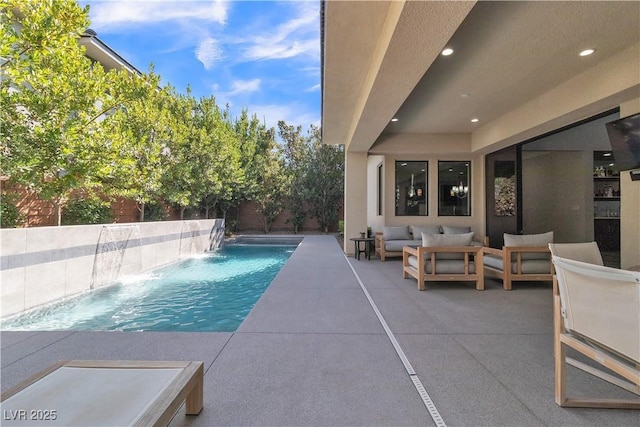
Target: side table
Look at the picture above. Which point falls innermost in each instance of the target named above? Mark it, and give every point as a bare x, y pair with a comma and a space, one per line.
367, 246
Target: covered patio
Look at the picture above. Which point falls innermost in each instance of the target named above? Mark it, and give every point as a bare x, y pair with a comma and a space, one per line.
313, 351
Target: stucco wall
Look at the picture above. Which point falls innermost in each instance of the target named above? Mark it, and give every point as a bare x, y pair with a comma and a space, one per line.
430, 148
43, 264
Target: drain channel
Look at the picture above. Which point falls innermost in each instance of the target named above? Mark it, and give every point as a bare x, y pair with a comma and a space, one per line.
428, 403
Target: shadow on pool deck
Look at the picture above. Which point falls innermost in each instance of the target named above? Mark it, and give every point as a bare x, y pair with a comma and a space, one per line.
313, 352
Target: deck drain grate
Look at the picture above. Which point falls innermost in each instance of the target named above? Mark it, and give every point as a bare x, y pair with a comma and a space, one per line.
424, 395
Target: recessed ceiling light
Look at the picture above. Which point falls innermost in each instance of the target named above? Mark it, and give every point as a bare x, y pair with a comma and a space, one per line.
587, 52
395, 119
474, 120
611, 164
464, 95
606, 154
446, 52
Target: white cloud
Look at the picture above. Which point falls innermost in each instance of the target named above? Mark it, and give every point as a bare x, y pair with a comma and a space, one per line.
292, 114
107, 15
243, 86
294, 37
208, 52
313, 88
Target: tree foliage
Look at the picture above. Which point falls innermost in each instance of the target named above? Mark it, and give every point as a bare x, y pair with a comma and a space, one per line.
71, 128
296, 154
324, 181
52, 97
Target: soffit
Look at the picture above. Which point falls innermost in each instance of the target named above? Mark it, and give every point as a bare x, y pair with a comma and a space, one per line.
506, 53
352, 30
374, 54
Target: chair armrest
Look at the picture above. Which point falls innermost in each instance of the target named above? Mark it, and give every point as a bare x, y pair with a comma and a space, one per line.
450, 249
412, 251
519, 250
468, 251
492, 251
527, 249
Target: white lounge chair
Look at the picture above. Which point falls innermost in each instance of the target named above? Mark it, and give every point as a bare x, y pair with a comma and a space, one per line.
586, 252
597, 313
107, 392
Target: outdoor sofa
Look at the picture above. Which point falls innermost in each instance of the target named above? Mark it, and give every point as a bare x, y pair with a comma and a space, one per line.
391, 241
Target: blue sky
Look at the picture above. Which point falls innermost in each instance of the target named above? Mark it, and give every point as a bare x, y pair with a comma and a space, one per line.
259, 55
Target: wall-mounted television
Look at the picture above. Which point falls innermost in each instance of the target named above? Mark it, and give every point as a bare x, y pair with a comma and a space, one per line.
624, 135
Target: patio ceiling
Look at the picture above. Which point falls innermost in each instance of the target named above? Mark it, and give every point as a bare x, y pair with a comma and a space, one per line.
382, 60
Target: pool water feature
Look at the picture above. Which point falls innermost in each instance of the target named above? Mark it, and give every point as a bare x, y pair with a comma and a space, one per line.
212, 292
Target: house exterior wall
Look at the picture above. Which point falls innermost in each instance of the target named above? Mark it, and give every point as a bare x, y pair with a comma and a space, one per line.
446, 147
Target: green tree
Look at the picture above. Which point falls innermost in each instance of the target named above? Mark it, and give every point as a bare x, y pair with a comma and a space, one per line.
325, 180
271, 191
52, 100
179, 183
296, 155
221, 176
255, 143
265, 169
139, 136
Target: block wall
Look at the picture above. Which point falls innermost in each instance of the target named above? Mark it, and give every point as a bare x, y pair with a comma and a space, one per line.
42, 264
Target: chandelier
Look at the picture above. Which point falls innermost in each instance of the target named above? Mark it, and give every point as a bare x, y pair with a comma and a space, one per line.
412, 192
460, 191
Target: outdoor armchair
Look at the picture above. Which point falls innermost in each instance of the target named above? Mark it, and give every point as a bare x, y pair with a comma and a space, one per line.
597, 314
522, 258
584, 252
444, 257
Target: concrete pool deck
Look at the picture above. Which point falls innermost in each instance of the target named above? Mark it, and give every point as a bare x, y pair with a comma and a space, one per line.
313, 352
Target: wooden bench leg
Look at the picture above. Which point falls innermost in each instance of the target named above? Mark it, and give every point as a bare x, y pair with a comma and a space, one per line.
194, 400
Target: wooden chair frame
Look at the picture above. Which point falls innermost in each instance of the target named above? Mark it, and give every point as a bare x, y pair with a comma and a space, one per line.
564, 339
422, 276
506, 275
380, 250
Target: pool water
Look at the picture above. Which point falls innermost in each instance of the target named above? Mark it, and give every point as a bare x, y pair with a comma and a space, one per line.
213, 292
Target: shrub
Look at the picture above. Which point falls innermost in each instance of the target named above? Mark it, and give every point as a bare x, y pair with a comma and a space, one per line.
87, 211
154, 212
10, 216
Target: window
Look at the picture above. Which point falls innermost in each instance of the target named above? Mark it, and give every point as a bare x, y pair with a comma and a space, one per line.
411, 188
380, 189
454, 188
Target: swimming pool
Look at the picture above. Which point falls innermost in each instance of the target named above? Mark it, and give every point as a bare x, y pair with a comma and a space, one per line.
212, 292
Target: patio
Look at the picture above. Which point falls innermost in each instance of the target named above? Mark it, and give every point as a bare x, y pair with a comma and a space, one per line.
313, 352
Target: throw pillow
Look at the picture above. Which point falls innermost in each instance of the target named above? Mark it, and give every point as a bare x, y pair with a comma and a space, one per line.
427, 229
455, 230
542, 239
396, 233
440, 240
